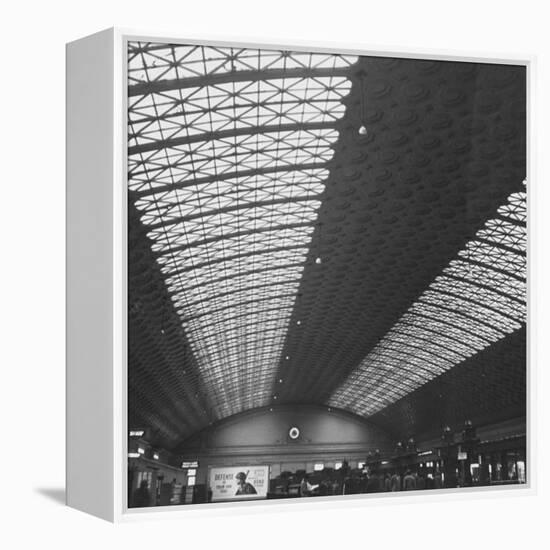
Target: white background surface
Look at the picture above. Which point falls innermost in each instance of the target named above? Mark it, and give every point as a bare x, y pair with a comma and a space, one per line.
32, 288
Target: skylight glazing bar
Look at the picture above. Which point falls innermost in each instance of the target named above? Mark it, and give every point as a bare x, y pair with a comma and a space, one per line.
228, 149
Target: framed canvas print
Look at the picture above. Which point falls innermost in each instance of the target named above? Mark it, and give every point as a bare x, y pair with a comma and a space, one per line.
296, 274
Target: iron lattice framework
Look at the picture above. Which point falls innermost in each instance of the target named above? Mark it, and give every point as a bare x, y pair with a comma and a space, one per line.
478, 299
227, 161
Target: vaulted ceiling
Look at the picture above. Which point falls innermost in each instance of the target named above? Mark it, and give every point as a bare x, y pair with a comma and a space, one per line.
324, 229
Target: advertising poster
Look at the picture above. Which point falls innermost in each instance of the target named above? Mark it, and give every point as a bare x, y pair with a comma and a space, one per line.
239, 482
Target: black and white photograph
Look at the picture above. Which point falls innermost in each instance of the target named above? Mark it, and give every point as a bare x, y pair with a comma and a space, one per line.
275, 275
327, 274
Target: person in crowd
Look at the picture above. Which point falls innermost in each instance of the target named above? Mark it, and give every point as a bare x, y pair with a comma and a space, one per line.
438, 482
346, 482
387, 483
420, 482
373, 485
355, 483
142, 496
345, 468
484, 476
284, 485
303, 488
306, 488
349, 485
324, 487
429, 481
395, 482
409, 481
363, 482
366, 482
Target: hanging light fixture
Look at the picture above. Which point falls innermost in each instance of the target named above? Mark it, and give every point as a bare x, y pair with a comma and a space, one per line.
363, 129
318, 259
163, 318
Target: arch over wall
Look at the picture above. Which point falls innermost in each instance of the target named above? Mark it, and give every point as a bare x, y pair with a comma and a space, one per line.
262, 437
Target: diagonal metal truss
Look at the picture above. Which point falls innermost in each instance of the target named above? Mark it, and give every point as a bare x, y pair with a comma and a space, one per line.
228, 153
478, 299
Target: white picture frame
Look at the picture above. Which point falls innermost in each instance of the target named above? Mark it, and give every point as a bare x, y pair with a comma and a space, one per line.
97, 276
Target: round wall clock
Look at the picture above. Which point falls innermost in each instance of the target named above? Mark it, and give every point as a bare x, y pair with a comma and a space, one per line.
294, 433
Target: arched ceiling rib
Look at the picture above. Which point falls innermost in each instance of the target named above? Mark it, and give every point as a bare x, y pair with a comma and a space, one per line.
233, 144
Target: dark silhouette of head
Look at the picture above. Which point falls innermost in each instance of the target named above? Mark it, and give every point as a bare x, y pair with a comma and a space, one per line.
241, 477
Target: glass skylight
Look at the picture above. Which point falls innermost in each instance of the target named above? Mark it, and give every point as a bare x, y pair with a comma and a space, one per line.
479, 298
228, 149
